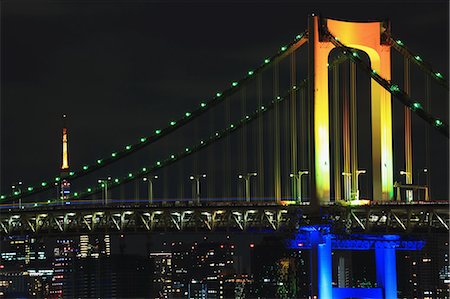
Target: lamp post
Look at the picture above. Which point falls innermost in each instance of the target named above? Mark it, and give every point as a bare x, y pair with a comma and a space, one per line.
298, 180
104, 184
196, 186
347, 185
409, 194
58, 195
358, 172
246, 178
16, 190
150, 186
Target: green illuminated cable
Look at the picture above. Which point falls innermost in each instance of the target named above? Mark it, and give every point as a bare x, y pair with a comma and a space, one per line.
159, 133
415, 106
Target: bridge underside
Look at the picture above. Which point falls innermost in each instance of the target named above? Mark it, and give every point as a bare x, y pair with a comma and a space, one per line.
375, 218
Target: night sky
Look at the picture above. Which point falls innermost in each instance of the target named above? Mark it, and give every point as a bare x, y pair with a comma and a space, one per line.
120, 69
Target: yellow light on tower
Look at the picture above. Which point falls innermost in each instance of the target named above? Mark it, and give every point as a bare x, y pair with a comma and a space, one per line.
366, 37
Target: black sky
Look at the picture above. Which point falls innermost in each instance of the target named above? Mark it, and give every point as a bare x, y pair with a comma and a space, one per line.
120, 69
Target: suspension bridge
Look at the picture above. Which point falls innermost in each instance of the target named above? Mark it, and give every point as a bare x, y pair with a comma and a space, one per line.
276, 151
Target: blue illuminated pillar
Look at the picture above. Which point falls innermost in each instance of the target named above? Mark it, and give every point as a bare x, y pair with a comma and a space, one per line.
324, 268
386, 268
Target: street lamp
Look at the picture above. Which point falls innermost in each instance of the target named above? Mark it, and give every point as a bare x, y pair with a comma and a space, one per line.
358, 172
150, 186
16, 190
196, 186
409, 194
298, 179
246, 178
347, 185
104, 184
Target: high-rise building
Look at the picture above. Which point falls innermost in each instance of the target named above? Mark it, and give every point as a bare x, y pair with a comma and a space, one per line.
424, 273
162, 274
283, 274
21, 258
64, 255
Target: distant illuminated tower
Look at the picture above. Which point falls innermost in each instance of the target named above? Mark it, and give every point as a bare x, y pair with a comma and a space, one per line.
65, 184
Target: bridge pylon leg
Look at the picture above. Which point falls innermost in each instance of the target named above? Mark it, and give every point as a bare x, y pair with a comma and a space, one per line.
386, 270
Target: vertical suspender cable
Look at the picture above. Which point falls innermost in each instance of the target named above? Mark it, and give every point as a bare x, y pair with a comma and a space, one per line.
276, 111
260, 147
336, 134
243, 132
408, 141
212, 163
353, 129
293, 111
304, 137
427, 135
285, 182
346, 135
226, 161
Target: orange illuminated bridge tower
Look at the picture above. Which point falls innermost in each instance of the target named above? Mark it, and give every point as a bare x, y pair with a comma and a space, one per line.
367, 37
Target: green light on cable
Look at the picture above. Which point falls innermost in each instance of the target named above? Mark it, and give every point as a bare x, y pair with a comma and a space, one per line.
71, 173
418, 58
130, 175
173, 123
89, 190
30, 189
203, 105
283, 48
438, 123
157, 132
143, 139
416, 105
439, 75
144, 169
250, 73
394, 88
57, 179
85, 167
99, 161
267, 60
234, 84
128, 147
75, 194
399, 42
187, 114
113, 154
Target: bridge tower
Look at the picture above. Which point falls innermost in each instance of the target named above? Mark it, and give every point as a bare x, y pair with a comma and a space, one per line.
367, 37
65, 184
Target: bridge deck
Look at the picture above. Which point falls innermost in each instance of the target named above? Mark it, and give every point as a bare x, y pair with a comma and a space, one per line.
220, 216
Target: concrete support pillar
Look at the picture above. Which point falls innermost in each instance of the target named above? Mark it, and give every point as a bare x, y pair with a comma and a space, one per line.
386, 269
324, 268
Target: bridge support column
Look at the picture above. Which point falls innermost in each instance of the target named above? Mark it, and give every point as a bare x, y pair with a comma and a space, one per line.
365, 36
386, 269
324, 268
